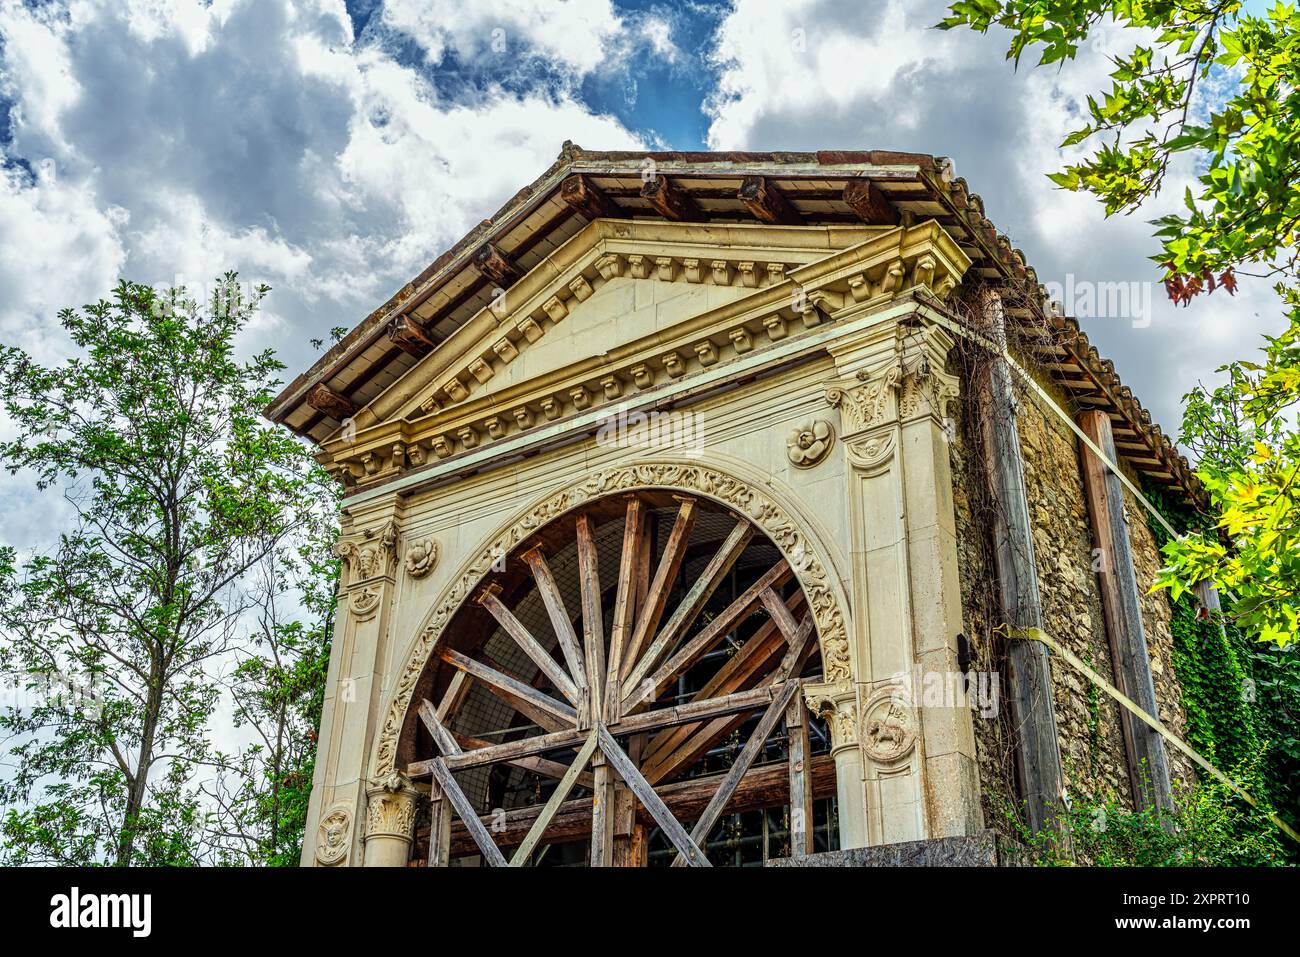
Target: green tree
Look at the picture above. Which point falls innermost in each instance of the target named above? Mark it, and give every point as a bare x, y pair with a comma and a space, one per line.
277, 686
153, 433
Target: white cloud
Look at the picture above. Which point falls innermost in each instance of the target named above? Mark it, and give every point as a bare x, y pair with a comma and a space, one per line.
572, 33
187, 138
818, 74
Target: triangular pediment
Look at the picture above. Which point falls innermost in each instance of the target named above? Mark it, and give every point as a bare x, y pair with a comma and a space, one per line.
624, 307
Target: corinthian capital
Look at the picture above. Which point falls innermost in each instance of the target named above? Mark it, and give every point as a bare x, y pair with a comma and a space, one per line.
837, 705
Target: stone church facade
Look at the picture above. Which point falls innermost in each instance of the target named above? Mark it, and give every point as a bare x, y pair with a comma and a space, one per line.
694, 514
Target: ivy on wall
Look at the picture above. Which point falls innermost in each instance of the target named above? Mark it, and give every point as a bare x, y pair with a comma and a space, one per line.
1241, 698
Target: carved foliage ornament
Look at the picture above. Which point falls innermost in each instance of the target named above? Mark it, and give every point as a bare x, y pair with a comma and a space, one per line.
390, 808
865, 406
810, 444
836, 704
812, 575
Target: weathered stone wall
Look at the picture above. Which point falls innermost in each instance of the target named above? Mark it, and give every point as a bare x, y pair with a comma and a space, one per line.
1092, 746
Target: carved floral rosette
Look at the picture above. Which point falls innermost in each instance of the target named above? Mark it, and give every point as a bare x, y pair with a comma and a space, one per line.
334, 835
421, 557
770, 517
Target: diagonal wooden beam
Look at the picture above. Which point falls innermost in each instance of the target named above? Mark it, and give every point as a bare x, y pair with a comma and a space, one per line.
559, 616
661, 586
452, 792
797, 650
593, 619
456, 691
775, 711
714, 631
513, 627
671, 827
766, 785
696, 597
674, 750
443, 738
782, 615
542, 766
624, 604
512, 688
538, 830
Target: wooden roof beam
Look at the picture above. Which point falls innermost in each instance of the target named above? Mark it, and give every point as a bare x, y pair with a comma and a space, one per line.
670, 201
496, 265
324, 399
407, 334
869, 203
766, 202
590, 200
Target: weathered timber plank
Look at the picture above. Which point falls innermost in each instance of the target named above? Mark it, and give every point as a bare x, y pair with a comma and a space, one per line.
538, 830
775, 711
671, 827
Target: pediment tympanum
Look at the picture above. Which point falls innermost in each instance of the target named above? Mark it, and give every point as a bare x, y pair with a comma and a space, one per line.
624, 308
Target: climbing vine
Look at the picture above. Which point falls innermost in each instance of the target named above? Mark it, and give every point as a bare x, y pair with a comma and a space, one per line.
1241, 698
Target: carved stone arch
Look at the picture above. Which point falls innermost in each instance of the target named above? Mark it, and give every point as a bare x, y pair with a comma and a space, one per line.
767, 507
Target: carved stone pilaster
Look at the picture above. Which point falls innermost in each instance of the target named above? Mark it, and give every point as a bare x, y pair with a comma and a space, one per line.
371, 558
926, 388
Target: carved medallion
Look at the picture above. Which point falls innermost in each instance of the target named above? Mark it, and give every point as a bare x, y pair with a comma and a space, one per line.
888, 725
364, 601
421, 557
333, 835
809, 445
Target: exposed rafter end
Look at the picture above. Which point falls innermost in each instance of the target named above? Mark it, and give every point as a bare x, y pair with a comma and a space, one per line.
590, 200
767, 203
496, 265
325, 400
670, 201
869, 203
409, 336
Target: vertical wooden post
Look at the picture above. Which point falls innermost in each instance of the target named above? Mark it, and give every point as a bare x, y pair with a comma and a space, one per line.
1148, 764
602, 812
439, 829
1038, 753
801, 812
629, 834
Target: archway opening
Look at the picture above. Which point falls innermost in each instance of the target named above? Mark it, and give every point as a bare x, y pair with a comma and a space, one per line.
624, 689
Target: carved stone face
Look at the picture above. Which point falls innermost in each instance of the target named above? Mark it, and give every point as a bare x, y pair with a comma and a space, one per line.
332, 837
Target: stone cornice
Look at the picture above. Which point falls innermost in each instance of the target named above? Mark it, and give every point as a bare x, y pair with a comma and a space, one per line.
787, 303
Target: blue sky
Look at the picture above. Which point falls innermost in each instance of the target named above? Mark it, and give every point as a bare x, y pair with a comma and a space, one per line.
333, 149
